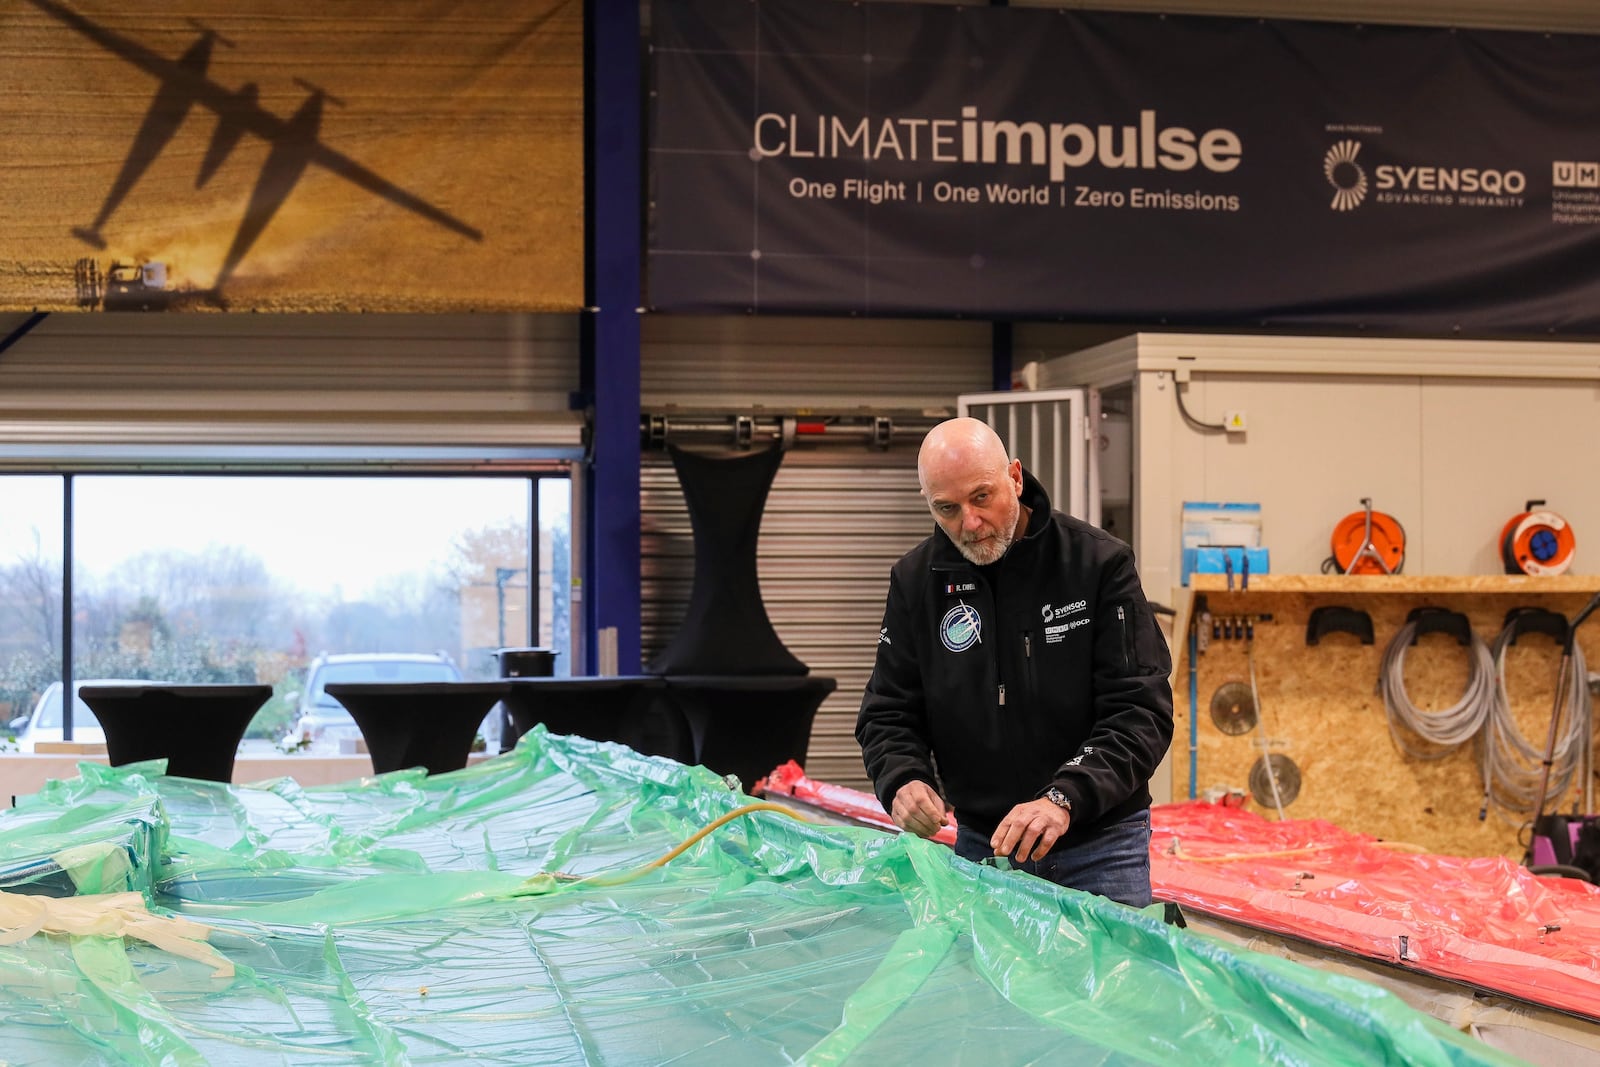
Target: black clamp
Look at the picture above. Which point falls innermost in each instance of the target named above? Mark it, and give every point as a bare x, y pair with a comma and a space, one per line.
1431, 620
1334, 618
1536, 620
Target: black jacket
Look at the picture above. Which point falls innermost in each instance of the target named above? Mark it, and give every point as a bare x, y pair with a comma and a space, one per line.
1064, 682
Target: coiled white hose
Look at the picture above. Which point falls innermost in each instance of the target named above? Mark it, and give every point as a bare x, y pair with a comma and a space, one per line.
1513, 763
1448, 729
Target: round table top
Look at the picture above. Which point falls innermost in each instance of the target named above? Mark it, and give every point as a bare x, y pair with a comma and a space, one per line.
360, 689
190, 690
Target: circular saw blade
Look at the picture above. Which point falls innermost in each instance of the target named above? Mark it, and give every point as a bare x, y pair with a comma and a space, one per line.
1233, 708
1284, 770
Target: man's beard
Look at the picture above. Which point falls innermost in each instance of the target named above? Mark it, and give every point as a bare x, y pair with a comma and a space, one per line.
986, 551
990, 549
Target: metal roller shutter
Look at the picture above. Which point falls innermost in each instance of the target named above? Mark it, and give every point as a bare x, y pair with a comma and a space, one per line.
714, 364
375, 388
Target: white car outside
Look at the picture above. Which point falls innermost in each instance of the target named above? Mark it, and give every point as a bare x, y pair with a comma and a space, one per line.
323, 722
43, 723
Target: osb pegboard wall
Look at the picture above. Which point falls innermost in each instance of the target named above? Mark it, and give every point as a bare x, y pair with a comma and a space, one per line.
1320, 704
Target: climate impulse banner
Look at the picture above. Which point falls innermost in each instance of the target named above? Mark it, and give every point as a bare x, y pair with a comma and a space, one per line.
808, 156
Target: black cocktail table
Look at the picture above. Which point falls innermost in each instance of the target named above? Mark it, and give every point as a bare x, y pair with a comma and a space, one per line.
747, 724
195, 728
630, 709
418, 724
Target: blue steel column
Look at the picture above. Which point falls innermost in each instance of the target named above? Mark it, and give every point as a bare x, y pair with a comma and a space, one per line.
1001, 334
610, 356
1001, 346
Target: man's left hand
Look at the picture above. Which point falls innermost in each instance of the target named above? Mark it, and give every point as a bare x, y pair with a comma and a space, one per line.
1030, 830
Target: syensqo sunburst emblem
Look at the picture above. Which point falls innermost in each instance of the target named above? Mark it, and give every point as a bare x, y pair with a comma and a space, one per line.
1348, 179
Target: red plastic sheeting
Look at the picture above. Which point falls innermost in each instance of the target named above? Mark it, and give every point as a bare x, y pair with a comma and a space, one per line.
1488, 923
790, 781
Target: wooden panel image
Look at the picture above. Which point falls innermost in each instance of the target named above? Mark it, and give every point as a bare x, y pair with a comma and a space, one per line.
1320, 706
289, 156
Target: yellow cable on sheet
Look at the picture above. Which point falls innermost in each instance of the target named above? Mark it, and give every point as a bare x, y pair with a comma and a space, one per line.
1233, 857
544, 883
107, 915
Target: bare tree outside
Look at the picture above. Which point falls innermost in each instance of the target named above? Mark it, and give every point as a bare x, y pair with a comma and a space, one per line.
30, 598
258, 603
489, 567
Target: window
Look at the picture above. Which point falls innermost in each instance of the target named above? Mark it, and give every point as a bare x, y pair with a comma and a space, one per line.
30, 591
223, 578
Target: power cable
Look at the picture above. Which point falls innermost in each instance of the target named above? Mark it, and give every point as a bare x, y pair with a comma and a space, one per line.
1512, 762
1261, 727
1209, 427
1175, 850
550, 880
1449, 728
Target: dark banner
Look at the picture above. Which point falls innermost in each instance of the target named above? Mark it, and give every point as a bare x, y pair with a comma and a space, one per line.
808, 156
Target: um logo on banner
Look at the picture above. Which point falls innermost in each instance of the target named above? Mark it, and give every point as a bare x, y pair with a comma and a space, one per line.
1348, 178
1576, 175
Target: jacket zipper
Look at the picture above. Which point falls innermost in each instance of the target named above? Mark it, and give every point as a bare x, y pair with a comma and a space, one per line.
1028, 676
1127, 640
1027, 655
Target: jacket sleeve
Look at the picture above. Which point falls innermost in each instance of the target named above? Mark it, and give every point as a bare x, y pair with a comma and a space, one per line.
1132, 698
892, 727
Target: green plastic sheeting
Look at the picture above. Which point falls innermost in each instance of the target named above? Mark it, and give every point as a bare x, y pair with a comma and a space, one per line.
408, 919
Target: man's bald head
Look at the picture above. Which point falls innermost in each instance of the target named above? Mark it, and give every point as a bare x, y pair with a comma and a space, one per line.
972, 489
964, 444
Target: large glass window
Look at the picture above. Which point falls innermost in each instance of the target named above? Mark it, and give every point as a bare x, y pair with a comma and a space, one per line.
268, 578
555, 581
30, 595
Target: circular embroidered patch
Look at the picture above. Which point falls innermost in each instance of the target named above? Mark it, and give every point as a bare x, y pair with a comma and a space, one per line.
961, 628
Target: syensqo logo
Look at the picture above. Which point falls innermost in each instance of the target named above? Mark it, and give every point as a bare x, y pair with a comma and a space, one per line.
1348, 178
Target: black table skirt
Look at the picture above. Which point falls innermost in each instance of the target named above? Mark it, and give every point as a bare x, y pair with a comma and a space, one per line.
629, 709
748, 724
195, 728
740, 724
418, 724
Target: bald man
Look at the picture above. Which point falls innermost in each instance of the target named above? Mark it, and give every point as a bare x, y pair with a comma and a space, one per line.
1020, 667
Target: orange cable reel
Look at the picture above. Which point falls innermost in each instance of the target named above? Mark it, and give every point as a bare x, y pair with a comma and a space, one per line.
1369, 542
1537, 541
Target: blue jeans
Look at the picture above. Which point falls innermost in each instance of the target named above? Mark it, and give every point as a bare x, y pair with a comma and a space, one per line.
1113, 862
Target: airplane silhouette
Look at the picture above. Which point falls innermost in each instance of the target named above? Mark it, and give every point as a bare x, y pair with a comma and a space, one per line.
295, 141
166, 113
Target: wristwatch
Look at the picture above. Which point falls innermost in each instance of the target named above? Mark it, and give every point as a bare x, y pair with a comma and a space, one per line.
1059, 799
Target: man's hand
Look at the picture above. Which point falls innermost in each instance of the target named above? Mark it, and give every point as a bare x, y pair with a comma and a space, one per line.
1029, 830
918, 809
